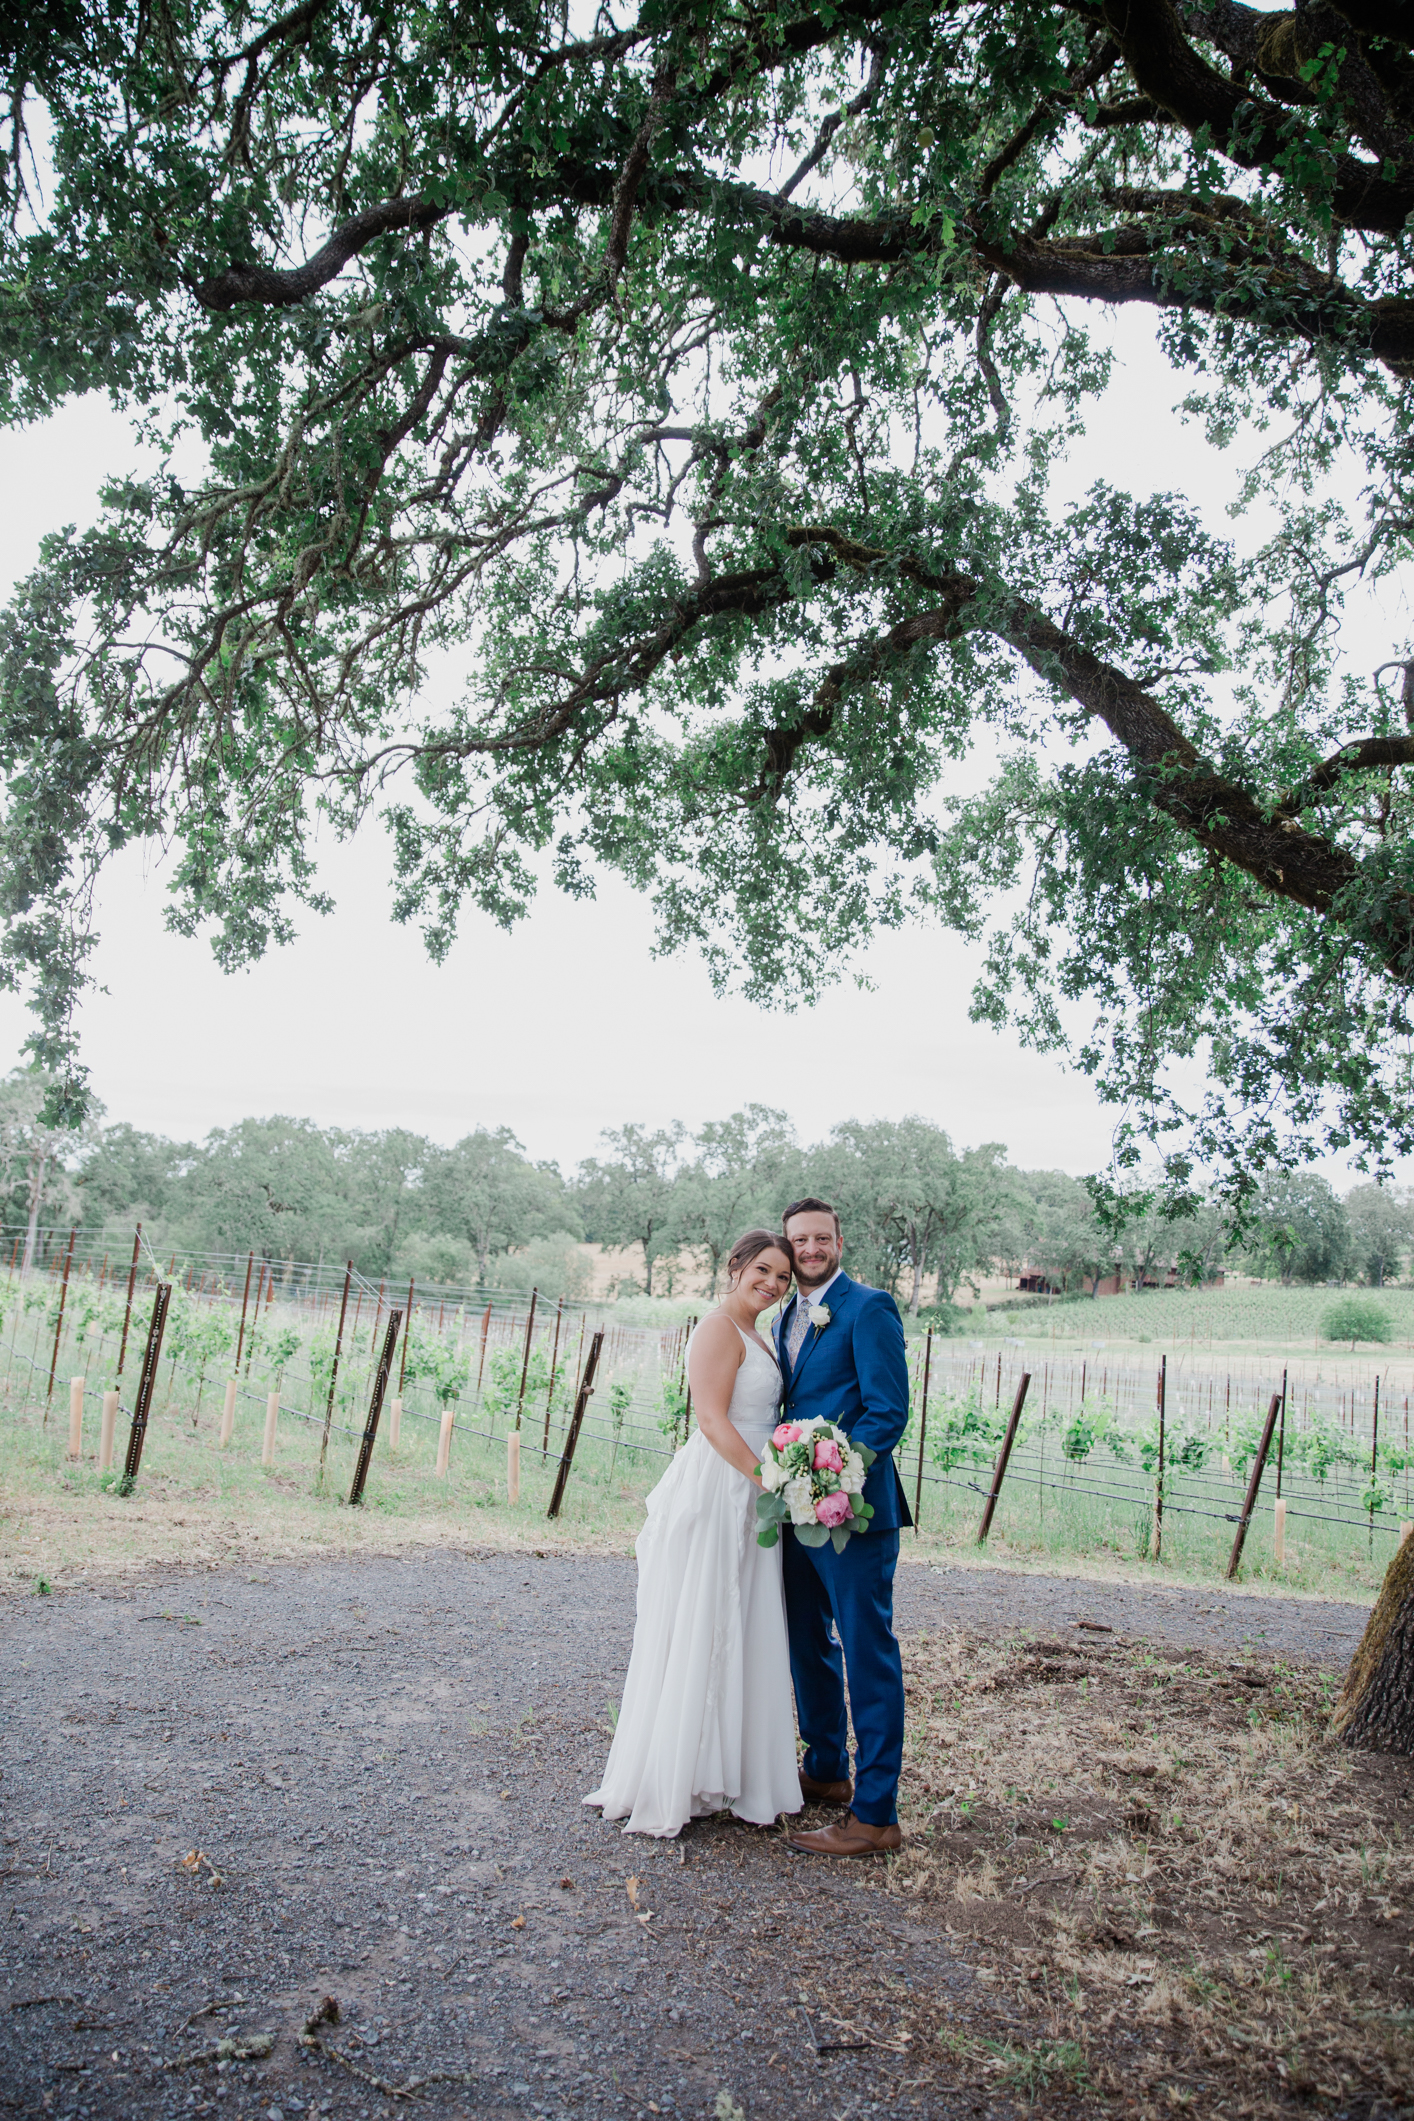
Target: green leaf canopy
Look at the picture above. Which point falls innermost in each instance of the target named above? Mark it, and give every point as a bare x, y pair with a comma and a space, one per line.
630, 443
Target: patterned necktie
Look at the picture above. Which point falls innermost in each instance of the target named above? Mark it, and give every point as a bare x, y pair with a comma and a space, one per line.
799, 1326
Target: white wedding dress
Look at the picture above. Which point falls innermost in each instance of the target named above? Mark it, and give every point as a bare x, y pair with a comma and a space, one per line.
707, 1722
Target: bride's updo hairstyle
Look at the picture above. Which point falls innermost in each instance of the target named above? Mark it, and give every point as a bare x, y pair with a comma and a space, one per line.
750, 1245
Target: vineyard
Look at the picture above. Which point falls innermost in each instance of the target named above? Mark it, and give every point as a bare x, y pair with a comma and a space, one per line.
1133, 1461
284, 1394
264, 1385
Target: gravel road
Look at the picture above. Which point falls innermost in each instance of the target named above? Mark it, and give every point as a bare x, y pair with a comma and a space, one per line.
381, 1761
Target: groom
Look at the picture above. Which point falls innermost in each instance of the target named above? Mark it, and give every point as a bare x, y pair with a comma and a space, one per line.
841, 1351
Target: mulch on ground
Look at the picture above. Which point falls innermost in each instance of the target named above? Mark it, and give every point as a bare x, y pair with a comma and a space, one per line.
229, 1795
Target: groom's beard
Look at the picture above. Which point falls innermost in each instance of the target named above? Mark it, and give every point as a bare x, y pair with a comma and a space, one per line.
808, 1278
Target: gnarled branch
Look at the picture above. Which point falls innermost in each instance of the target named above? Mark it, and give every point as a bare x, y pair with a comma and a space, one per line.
278, 289
1362, 755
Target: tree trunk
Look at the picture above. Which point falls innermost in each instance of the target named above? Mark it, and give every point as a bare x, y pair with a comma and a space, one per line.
1376, 1705
36, 1190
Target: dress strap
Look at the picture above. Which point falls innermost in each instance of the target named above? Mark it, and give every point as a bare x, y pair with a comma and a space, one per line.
752, 1341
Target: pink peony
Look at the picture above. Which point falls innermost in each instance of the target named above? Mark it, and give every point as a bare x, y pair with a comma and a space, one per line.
788, 1432
833, 1509
827, 1454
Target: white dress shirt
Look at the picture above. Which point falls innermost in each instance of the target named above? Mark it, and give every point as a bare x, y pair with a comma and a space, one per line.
804, 1303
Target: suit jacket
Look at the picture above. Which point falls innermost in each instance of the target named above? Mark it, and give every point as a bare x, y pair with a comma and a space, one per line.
854, 1371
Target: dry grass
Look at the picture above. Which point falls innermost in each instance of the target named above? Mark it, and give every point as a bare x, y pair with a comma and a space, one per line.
64, 1523
1180, 1892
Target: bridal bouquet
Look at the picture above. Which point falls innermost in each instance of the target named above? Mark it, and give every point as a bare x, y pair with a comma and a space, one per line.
813, 1478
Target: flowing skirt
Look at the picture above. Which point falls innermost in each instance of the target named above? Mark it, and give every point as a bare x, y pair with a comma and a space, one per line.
707, 1722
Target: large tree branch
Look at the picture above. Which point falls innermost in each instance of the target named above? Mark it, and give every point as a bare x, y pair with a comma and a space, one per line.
1283, 857
631, 176
1133, 263
1165, 65
1370, 754
274, 288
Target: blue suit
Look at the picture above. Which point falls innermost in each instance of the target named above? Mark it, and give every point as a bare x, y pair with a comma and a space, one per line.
853, 1371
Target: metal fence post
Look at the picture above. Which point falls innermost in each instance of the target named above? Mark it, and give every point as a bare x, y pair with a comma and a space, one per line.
128, 1311
147, 1383
922, 1430
403, 1358
59, 1323
525, 1365
255, 1322
375, 1406
999, 1474
1374, 1457
1159, 1476
245, 1300
586, 1386
334, 1374
550, 1395
1252, 1486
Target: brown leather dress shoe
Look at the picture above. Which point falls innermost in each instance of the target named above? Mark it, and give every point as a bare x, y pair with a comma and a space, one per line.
826, 1792
852, 1837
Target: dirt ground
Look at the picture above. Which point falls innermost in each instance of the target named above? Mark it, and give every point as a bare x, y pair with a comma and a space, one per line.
1136, 1877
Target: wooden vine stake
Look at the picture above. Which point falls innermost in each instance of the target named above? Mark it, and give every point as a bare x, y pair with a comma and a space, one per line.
108, 1422
272, 1416
76, 1417
513, 1466
228, 1411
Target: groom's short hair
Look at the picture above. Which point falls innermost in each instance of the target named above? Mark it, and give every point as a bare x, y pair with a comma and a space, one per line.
807, 1206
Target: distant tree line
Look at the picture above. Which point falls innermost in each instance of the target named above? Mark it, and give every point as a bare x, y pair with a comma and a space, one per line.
924, 1218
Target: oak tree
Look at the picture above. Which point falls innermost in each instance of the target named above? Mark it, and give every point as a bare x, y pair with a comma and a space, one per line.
629, 442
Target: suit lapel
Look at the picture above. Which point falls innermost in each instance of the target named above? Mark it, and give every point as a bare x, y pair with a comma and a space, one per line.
840, 1284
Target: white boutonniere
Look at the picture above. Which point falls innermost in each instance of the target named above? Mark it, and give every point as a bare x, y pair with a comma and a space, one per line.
819, 1316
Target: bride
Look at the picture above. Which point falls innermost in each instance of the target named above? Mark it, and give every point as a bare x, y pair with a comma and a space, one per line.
707, 1723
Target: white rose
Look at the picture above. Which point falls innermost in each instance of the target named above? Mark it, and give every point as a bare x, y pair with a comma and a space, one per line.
819, 1314
773, 1475
802, 1509
852, 1478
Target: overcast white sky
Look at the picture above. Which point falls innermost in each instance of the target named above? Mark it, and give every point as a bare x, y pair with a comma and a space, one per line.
569, 1025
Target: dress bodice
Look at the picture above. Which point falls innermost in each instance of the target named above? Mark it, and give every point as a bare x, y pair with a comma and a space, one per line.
756, 1395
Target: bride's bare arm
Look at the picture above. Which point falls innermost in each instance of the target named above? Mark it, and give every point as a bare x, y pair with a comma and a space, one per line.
717, 1355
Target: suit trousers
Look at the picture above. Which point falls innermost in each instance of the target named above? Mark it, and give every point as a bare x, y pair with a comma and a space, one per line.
855, 1589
